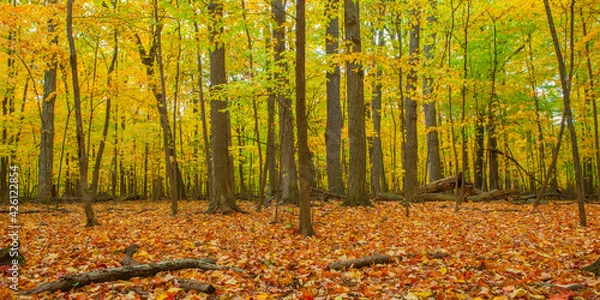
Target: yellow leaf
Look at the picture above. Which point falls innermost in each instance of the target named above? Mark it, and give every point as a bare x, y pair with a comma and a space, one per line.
422, 294
162, 296
443, 270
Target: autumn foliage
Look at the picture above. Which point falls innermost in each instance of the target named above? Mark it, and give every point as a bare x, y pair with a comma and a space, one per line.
491, 250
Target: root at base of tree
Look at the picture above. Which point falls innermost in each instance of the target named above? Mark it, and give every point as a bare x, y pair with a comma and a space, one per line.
360, 262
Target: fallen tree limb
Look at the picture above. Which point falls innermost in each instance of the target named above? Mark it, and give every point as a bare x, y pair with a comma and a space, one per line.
360, 262
491, 195
68, 282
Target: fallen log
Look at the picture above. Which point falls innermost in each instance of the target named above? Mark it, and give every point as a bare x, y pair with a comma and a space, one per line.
491, 195
360, 262
322, 194
388, 197
68, 282
448, 184
185, 284
483, 196
436, 197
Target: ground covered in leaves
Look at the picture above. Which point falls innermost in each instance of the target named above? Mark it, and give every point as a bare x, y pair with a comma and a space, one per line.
485, 251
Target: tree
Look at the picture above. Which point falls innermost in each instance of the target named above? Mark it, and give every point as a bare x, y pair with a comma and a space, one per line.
357, 185
289, 176
410, 153
45, 185
335, 121
434, 165
565, 83
378, 183
305, 222
222, 199
82, 154
168, 136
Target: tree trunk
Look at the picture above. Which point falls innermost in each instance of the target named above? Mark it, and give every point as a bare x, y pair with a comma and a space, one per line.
83, 159
565, 82
304, 157
47, 130
201, 103
161, 98
335, 121
411, 182
463, 91
357, 185
378, 183
222, 199
434, 164
289, 176
494, 177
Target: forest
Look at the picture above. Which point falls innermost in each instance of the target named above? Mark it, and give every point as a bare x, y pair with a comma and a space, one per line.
246, 149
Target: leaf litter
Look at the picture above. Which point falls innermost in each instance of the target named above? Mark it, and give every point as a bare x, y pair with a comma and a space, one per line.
487, 251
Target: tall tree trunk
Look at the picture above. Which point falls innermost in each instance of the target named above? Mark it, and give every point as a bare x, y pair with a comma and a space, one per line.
201, 104
411, 182
434, 163
357, 174
161, 98
222, 199
261, 175
289, 176
83, 159
304, 161
450, 110
492, 145
47, 130
8, 102
335, 120
463, 91
378, 183
565, 83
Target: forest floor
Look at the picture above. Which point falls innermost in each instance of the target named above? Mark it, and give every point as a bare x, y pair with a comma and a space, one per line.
485, 251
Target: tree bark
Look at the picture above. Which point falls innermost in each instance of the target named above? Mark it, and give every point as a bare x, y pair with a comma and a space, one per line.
222, 199
357, 174
378, 183
69, 282
47, 130
82, 155
168, 135
201, 104
335, 121
565, 82
494, 177
289, 176
304, 157
434, 164
411, 182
